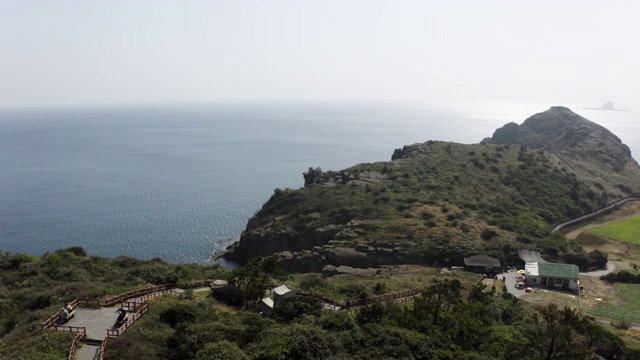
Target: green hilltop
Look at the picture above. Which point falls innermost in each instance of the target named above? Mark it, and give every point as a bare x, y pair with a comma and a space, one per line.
437, 202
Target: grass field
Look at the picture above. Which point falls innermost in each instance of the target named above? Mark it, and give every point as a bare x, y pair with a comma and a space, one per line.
629, 310
627, 230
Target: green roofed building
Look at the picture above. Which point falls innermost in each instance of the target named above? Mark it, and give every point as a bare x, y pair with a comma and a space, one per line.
562, 276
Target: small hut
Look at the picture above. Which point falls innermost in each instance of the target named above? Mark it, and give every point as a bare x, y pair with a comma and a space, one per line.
279, 294
482, 264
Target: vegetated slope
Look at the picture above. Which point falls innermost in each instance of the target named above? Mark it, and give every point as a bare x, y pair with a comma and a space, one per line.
588, 149
34, 288
437, 202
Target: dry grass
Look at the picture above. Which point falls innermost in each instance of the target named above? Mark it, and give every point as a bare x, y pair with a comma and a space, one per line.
543, 297
631, 337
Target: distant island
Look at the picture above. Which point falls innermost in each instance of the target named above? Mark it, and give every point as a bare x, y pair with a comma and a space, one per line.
607, 106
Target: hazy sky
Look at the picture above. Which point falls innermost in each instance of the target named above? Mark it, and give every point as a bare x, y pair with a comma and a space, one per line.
58, 53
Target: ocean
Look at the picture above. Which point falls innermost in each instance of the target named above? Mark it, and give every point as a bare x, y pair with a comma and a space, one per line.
180, 182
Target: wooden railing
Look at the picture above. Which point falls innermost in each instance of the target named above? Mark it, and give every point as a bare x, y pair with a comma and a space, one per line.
75, 343
50, 321
195, 283
322, 297
154, 294
111, 300
71, 329
142, 309
103, 346
139, 305
126, 295
386, 297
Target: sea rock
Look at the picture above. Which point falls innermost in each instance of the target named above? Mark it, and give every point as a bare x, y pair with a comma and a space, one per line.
312, 176
608, 106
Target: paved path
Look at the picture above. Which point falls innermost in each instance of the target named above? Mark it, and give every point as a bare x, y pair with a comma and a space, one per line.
88, 352
610, 267
97, 321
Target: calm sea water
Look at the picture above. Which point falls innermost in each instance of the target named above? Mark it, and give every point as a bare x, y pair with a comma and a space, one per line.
180, 182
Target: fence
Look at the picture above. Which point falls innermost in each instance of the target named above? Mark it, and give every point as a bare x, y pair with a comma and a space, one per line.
50, 321
143, 309
322, 297
120, 297
103, 346
71, 329
141, 292
386, 297
154, 294
195, 283
75, 343
139, 305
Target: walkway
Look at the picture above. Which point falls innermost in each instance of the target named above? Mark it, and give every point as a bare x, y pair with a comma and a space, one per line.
88, 352
610, 268
96, 321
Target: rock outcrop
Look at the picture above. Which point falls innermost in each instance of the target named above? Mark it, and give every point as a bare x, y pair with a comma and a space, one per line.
313, 176
562, 132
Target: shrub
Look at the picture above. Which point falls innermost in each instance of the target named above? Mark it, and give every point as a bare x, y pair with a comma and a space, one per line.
9, 324
178, 314
312, 281
427, 215
597, 259
371, 313
77, 251
488, 234
221, 350
622, 324
297, 306
379, 288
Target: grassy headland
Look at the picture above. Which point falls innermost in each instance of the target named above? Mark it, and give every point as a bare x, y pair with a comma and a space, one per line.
437, 202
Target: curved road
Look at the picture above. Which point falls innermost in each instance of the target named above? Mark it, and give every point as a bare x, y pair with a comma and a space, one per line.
610, 267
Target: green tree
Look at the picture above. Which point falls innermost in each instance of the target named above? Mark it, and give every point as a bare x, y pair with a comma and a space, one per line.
297, 306
438, 300
178, 314
254, 277
555, 336
221, 350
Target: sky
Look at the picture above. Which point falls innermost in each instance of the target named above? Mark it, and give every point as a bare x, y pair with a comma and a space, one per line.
84, 52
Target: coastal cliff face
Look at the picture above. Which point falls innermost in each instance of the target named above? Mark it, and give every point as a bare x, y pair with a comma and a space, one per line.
437, 202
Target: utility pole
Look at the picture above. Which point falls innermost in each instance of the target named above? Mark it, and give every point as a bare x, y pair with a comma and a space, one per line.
579, 299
